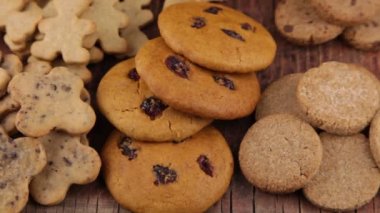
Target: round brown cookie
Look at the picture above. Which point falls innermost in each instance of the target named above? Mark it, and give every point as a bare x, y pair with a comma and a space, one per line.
348, 177
217, 37
129, 105
374, 138
365, 36
339, 98
280, 97
194, 89
346, 12
280, 153
299, 23
168, 177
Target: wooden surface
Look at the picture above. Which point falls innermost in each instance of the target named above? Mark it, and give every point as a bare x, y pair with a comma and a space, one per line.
241, 196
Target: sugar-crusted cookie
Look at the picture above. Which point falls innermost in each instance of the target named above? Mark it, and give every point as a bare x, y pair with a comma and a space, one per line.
280, 153
132, 108
197, 90
348, 177
217, 37
68, 162
50, 101
185, 177
374, 138
339, 98
299, 23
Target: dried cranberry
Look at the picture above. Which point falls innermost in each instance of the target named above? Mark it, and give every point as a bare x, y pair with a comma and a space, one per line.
213, 10
205, 165
177, 65
223, 81
133, 75
233, 34
198, 22
248, 27
153, 107
126, 148
164, 175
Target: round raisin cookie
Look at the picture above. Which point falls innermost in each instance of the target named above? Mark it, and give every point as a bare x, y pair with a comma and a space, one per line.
193, 89
280, 153
168, 177
339, 98
129, 105
348, 177
217, 37
300, 24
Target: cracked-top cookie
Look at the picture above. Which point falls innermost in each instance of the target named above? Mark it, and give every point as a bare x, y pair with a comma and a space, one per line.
128, 104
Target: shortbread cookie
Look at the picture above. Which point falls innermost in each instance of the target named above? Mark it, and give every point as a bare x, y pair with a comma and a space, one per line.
20, 160
8, 122
348, 177
96, 55
132, 108
197, 90
7, 8
339, 98
7, 105
36, 65
68, 162
50, 102
79, 70
181, 177
4, 80
12, 64
280, 153
280, 97
171, 2
217, 37
299, 23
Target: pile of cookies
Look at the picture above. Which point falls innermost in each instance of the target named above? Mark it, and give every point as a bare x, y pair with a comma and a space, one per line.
309, 22
162, 101
310, 135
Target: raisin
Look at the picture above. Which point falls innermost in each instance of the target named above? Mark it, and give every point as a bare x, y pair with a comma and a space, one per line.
126, 149
133, 75
153, 107
205, 165
178, 66
223, 81
164, 175
67, 161
198, 22
213, 10
248, 27
233, 34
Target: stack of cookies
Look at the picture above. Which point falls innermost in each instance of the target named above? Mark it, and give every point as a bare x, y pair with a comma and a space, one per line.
161, 102
309, 22
310, 135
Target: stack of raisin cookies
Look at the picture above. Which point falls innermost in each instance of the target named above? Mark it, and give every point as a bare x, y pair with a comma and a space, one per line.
309, 22
162, 102
310, 135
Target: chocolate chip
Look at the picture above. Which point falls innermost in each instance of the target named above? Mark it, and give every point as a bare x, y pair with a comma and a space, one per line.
233, 34
65, 88
67, 161
3, 185
53, 87
353, 2
177, 65
288, 28
13, 156
248, 27
133, 75
205, 165
164, 175
37, 150
153, 107
213, 10
126, 148
223, 81
50, 163
198, 22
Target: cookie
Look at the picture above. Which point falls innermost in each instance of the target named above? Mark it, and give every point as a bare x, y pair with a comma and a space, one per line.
365, 36
96, 55
132, 108
64, 33
298, 22
171, 2
217, 37
280, 153
50, 102
280, 98
68, 162
79, 70
4, 80
9, 123
197, 90
346, 12
339, 98
374, 138
180, 177
7, 8
12, 64
348, 177
21, 159
7, 105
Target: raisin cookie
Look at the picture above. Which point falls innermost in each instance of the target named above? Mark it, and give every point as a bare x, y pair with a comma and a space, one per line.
299, 23
194, 89
170, 177
339, 98
348, 177
280, 153
217, 37
129, 105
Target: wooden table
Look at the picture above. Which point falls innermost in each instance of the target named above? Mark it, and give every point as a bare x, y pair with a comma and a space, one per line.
241, 196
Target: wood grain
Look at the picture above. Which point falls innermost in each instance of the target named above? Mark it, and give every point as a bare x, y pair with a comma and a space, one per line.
241, 197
